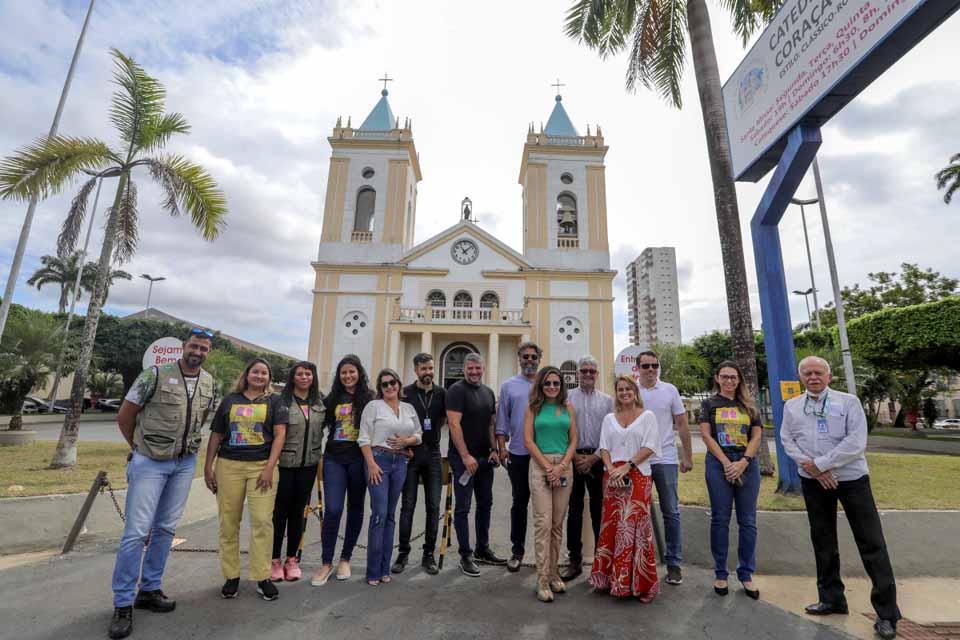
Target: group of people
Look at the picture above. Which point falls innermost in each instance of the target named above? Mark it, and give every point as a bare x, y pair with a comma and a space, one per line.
557, 445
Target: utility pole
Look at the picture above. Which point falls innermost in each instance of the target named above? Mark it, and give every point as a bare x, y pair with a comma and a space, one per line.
31, 209
147, 276
835, 281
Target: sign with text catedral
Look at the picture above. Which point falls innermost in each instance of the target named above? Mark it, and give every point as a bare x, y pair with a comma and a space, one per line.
811, 60
162, 351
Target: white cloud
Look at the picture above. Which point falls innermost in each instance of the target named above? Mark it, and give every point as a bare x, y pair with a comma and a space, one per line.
263, 87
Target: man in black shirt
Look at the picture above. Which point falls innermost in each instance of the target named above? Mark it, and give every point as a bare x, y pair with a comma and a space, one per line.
431, 404
471, 414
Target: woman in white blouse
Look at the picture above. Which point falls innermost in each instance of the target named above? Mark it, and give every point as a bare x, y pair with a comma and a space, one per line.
624, 561
387, 427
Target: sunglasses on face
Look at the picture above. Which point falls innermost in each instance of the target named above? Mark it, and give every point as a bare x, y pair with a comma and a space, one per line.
729, 378
197, 331
529, 356
588, 372
551, 383
386, 384
650, 365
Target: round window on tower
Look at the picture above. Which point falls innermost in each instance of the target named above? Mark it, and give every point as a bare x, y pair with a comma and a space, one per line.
368, 173
569, 329
566, 178
354, 324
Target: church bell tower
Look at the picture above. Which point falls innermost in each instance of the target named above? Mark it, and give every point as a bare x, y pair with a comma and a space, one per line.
564, 195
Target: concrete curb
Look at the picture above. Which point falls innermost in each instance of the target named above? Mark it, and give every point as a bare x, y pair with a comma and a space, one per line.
42, 522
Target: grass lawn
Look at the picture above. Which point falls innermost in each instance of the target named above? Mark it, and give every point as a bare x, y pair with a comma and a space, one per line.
899, 481
26, 466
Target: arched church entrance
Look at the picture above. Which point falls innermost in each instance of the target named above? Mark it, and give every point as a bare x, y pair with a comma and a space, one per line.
452, 360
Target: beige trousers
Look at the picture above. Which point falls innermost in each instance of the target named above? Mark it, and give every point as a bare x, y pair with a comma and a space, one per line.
549, 510
236, 482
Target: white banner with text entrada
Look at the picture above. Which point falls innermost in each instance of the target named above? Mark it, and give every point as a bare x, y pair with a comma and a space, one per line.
805, 50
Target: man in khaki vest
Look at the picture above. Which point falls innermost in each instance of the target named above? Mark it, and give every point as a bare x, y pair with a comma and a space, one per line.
161, 418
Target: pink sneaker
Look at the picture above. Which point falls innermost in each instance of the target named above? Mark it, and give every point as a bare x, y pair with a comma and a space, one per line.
276, 570
291, 570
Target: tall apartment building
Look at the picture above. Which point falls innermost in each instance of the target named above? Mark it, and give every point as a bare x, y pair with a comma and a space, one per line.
653, 303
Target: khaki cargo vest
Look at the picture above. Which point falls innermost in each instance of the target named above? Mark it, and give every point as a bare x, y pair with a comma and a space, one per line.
303, 444
162, 432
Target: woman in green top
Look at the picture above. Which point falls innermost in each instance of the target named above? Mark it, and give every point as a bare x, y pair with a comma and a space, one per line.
550, 435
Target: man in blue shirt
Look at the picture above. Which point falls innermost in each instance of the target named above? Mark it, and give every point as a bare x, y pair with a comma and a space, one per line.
514, 398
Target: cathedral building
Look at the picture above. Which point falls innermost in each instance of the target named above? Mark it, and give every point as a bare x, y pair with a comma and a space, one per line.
383, 296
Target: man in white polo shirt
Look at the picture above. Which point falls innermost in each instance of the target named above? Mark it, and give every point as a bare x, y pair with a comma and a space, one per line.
825, 432
664, 400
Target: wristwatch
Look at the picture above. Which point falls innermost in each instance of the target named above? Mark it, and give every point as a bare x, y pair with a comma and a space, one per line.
747, 458
633, 465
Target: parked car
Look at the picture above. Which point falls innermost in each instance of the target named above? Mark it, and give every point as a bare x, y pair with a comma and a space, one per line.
109, 404
29, 406
40, 403
947, 423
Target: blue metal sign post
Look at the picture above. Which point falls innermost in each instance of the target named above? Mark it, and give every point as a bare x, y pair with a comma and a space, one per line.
801, 148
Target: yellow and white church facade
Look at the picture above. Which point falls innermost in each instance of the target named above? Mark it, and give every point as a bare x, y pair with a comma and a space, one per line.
382, 296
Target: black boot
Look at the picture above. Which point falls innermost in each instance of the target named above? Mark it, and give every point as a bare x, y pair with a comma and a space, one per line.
429, 564
155, 601
400, 564
121, 625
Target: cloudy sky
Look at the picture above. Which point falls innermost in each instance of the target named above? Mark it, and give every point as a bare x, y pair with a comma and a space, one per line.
262, 82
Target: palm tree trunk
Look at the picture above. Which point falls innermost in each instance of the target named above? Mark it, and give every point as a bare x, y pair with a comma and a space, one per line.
66, 453
62, 304
725, 197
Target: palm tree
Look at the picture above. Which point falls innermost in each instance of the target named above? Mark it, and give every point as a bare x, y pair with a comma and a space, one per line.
656, 32
949, 178
47, 166
63, 273
27, 357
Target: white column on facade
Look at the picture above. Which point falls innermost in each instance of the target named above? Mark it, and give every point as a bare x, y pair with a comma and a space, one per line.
393, 360
525, 337
426, 343
493, 360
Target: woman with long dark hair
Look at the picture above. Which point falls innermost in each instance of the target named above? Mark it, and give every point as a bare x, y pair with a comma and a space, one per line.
298, 466
731, 429
624, 563
247, 435
387, 427
550, 435
343, 475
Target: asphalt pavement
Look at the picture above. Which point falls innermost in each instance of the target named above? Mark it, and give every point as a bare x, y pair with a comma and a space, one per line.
71, 597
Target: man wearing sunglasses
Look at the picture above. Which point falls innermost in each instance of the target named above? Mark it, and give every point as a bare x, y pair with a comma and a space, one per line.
514, 398
664, 400
592, 406
161, 418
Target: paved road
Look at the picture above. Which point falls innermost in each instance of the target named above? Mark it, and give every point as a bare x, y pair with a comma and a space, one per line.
496, 605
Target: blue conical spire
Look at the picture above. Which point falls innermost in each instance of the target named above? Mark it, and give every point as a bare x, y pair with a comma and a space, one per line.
559, 123
381, 118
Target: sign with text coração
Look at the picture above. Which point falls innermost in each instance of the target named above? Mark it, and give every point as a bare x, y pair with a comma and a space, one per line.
162, 351
809, 62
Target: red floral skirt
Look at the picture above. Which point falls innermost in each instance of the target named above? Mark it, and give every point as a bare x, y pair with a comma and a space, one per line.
624, 561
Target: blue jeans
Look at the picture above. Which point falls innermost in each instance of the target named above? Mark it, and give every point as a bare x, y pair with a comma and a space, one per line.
343, 481
157, 492
723, 496
665, 478
383, 510
481, 484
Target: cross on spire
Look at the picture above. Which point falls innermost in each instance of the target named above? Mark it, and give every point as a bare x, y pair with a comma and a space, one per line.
558, 84
385, 79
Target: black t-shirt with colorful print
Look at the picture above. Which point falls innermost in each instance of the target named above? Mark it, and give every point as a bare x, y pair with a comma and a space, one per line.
730, 424
247, 425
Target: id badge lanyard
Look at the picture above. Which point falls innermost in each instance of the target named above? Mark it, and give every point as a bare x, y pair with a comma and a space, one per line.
821, 413
427, 422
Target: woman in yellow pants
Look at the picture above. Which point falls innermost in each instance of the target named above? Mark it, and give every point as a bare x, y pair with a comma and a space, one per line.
246, 438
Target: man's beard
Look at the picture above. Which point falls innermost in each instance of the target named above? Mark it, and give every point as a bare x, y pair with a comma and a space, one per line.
426, 379
528, 369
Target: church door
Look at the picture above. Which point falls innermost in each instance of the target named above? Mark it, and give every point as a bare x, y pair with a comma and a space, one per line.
452, 362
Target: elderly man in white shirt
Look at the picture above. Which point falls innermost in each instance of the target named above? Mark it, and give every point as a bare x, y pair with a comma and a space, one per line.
825, 432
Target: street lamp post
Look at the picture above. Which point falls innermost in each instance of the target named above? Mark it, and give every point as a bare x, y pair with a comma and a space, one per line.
806, 240
807, 300
835, 281
147, 276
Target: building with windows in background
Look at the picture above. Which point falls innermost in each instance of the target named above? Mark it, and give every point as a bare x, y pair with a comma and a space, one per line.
653, 300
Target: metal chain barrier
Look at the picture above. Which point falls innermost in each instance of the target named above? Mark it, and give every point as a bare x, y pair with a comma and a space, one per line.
116, 503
